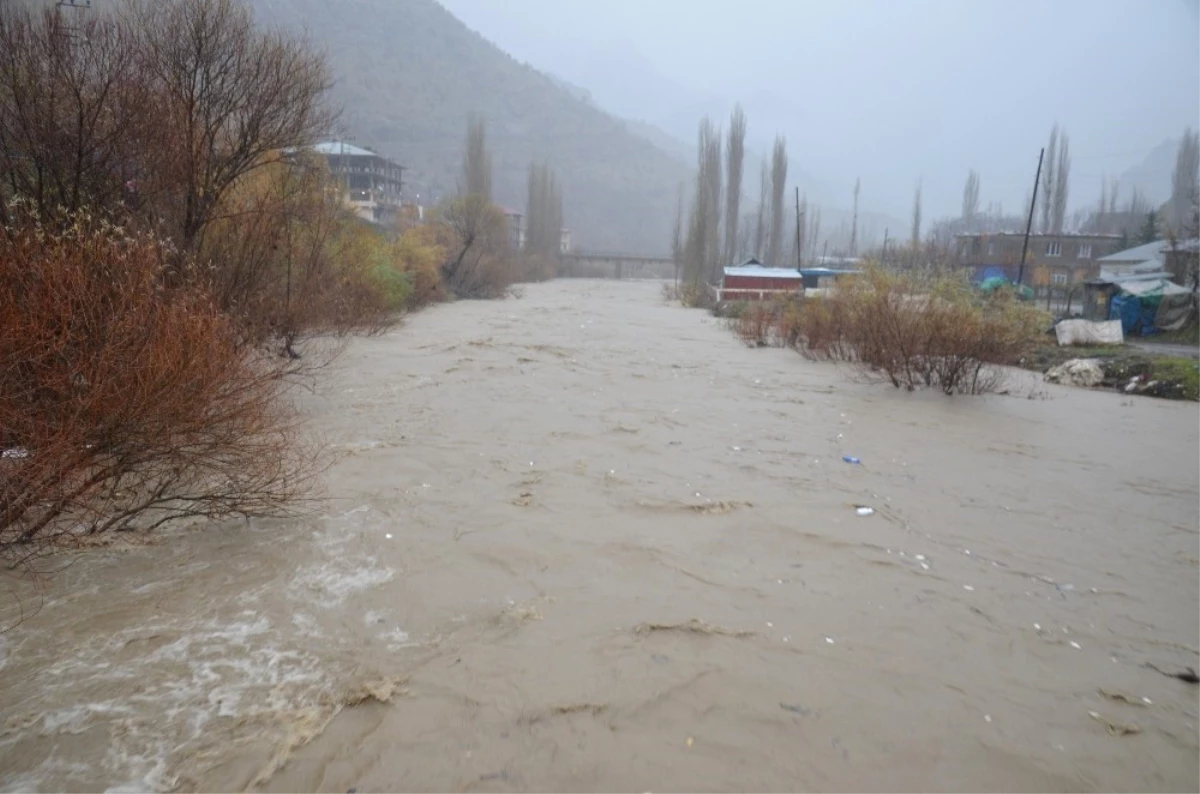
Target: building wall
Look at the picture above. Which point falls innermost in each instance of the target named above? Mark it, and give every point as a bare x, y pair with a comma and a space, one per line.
761, 283
1052, 260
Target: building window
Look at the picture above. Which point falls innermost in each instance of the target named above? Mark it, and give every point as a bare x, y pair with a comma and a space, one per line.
1085, 250
1054, 249
1060, 279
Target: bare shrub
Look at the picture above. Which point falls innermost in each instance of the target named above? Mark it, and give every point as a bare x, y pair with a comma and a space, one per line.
913, 329
127, 405
283, 256
73, 111
479, 261
755, 324
227, 96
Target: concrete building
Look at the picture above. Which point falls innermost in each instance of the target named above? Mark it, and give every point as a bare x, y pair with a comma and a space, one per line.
1053, 261
516, 228
372, 183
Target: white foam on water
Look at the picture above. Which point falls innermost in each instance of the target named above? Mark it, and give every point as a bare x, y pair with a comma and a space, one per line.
331, 583
189, 696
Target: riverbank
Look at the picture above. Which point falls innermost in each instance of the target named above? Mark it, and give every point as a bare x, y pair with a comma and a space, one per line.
586, 540
1140, 370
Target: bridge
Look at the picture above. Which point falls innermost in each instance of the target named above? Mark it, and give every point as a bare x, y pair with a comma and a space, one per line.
601, 264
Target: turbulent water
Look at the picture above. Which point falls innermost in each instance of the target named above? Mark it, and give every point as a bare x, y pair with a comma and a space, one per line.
584, 540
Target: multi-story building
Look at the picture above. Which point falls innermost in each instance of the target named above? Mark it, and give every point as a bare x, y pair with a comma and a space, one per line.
372, 183
1053, 260
516, 228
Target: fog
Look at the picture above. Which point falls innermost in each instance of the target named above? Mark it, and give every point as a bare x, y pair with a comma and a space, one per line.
889, 91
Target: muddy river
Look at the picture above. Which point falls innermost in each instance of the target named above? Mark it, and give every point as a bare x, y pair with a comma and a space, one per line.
584, 540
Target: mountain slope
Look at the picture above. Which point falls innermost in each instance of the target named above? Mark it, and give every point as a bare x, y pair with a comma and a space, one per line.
409, 73
1152, 176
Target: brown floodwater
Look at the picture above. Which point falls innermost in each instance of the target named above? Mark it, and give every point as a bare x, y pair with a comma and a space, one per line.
585, 540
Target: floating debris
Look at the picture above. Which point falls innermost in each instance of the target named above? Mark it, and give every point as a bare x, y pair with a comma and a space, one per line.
863, 510
968, 588
1076, 645
852, 460
796, 708
693, 626
1113, 727
1112, 694
1188, 674
718, 508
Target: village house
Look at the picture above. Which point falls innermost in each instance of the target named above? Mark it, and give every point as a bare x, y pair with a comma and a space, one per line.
754, 281
371, 183
1054, 261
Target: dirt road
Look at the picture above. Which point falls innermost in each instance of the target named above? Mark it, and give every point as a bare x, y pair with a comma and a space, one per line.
586, 541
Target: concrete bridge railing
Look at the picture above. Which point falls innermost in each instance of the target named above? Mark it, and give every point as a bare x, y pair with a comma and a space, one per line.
587, 264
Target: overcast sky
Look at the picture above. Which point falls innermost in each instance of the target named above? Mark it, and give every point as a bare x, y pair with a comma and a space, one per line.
892, 90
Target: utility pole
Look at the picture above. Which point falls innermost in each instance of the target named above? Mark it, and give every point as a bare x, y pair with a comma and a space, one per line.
799, 253
1029, 224
883, 252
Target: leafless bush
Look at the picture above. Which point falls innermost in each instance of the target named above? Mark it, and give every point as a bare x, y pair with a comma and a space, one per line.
228, 95
282, 256
910, 329
127, 405
479, 262
73, 112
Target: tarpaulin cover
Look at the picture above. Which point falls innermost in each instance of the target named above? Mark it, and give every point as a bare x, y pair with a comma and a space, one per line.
1136, 314
1087, 332
1174, 312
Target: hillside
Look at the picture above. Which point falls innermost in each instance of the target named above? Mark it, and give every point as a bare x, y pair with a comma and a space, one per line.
409, 73
1152, 176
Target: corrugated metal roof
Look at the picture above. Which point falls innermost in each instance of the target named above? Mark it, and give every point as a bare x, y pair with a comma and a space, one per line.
1139, 253
758, 271
1151, 286
341, 147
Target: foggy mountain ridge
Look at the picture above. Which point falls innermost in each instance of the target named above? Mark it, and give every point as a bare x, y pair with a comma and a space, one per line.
1152, 176
408, 74
891, 92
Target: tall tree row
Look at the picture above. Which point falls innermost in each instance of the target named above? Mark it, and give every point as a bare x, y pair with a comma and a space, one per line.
702, 245
854, 219
735, 153
1062, 179
477, 161
760, 223
804, 221
970, 201
1046, 189
677, 232
779, 165
915, 239
543, 212
1184, 204
1055, 186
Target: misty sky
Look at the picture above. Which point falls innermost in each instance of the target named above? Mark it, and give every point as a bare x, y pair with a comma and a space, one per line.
892, 90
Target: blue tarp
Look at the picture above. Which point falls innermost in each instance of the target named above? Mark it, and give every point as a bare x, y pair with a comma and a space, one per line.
1136, 314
